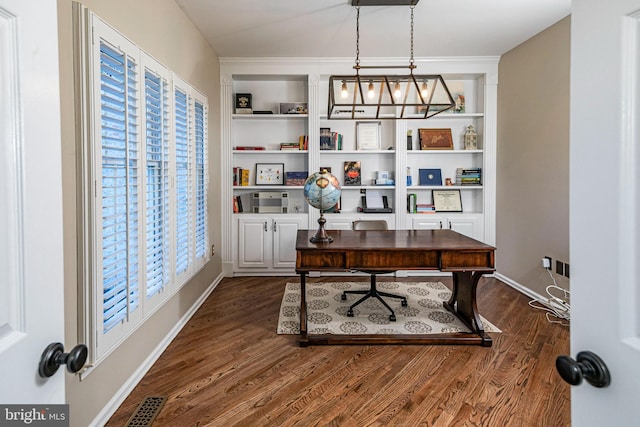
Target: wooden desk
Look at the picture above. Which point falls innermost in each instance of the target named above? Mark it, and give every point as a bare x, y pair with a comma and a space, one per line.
393, 250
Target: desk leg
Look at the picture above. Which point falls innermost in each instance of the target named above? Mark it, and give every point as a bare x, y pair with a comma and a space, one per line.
304, 339
463, 303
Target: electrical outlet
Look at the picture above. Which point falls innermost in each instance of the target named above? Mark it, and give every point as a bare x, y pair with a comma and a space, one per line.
559, 267
546, 263
566, 270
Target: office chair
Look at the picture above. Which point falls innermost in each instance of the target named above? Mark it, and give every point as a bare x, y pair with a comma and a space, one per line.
372, 291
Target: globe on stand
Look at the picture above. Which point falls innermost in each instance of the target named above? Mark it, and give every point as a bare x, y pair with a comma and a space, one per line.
322, 191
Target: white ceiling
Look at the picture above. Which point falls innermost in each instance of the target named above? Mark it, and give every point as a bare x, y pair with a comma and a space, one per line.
326, 28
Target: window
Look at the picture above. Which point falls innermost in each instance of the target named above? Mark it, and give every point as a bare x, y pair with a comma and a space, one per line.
145, 184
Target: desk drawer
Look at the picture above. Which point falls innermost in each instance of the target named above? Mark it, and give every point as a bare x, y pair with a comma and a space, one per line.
321, 260
457, 260
392, 260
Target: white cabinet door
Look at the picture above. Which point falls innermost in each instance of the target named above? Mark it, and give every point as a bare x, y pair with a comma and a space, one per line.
428, 222
469, 225
339, 222
254, 242
285, 231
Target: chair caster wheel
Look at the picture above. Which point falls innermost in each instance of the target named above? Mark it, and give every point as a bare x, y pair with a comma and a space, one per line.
343, 297
350, 313
404, 303
392, 318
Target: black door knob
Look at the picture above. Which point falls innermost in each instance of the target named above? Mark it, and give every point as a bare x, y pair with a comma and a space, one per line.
54, 356
588, 366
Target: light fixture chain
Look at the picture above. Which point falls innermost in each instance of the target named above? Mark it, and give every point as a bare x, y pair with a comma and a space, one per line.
411, 60
357, 34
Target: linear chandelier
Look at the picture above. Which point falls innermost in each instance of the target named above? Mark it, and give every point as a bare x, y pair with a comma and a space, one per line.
387, 96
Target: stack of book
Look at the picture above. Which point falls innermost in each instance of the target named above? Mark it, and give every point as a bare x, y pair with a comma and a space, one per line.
330, 140
472, 176
425, 208
240, 177
289, 146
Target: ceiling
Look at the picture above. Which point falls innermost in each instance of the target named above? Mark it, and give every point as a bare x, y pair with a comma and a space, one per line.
326, 28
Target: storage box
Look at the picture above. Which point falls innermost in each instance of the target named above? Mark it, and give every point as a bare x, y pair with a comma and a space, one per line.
271, 202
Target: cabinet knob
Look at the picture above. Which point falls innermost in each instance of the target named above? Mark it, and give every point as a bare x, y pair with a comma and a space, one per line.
265, 226
275, 226
440, 225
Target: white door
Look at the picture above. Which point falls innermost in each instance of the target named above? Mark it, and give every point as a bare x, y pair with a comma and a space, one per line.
605, 190
31, 267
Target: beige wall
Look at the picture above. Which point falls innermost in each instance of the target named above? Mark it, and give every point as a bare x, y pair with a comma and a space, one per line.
162, 30
533, 158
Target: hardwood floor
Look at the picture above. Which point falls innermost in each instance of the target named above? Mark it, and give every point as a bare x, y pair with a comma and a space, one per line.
229, 367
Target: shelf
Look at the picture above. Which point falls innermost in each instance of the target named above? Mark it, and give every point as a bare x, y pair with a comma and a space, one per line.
269, 116
425, 152
368, 187
268, 187
269, 152
449, 116
332, 152
444, 187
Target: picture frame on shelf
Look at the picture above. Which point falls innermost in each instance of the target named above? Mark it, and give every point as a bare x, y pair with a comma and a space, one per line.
352, 174
447, 200
430, 177
269, 173
243, 103
368, 135
293, 108
435, 139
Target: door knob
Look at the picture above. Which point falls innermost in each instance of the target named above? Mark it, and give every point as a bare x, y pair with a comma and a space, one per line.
588, 366
54, 356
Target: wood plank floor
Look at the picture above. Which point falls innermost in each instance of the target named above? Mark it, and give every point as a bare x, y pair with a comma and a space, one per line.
228, 367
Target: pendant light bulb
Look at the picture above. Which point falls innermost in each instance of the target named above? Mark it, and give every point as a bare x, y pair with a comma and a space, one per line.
344, 92
371, 92
396, 90
423, 90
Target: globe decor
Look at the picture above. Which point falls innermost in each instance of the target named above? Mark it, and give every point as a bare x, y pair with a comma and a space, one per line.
322, 191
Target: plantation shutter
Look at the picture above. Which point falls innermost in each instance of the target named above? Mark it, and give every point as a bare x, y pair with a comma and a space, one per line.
201, 178
183, 180
120, 174
157, 182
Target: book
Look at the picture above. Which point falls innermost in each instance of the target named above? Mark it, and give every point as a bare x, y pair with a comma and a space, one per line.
295, 178
244, 177
412, 198
239, 200
430, 176
248, 147
352, 173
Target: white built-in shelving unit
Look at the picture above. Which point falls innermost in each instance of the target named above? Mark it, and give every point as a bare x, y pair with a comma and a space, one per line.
264, 243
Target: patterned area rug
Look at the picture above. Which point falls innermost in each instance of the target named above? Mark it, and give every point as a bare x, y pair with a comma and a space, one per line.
327, 313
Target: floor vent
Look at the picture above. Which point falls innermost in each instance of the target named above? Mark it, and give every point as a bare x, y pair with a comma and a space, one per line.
146, 412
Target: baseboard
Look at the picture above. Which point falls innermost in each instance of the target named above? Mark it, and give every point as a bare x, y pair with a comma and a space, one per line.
518, 287
112, 406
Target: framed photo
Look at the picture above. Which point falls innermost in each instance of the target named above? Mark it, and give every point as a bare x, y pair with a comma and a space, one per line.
368, 135
447, 200
435, 139
293, 108
269, 173
243, 103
